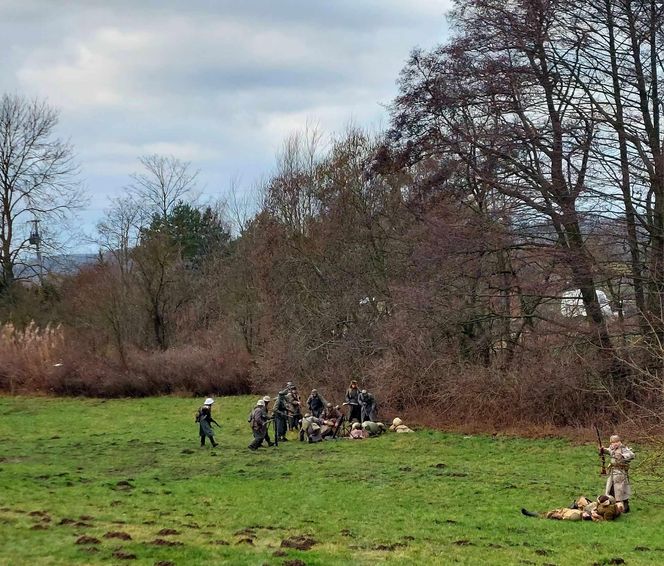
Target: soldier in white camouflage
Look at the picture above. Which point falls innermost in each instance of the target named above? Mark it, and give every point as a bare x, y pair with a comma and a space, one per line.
617, 484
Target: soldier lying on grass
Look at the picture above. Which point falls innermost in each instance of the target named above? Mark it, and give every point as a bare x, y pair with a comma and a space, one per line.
604, 508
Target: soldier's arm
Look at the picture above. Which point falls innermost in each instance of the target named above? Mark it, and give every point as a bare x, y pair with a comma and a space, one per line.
627, 454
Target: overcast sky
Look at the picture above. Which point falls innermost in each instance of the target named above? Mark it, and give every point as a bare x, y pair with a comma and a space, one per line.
219, 83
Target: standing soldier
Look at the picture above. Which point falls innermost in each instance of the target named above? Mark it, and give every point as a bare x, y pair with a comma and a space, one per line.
280, 415
353, 401
617, 484
258, 420
315, 403
266, 408
369, 407
293, 404
205, 420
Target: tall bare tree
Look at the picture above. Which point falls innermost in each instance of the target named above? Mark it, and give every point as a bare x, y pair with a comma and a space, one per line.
38, 177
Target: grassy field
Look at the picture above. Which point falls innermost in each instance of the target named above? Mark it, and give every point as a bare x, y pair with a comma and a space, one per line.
113, 482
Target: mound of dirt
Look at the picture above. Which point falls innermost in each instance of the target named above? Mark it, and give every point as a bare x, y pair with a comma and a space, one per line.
84, 539
299, 542
164, 532
122, 555
118, 534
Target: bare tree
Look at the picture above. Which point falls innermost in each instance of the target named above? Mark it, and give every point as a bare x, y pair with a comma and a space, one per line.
164, 181
38, 177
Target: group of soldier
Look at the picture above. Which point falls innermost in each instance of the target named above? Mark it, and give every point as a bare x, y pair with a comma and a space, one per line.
615, 499
321, 418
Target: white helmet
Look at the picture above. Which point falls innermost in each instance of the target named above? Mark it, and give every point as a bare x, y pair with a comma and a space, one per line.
209, 401
260, 403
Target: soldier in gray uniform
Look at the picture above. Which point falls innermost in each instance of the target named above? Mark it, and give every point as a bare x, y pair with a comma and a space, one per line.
258, 421
617, 484
280, 415
205, 420
369, 406
353, 401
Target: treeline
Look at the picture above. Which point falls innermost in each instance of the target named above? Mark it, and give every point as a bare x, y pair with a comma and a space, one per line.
523, 163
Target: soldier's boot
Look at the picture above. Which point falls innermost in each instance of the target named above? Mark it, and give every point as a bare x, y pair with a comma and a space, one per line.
214, 444
626, 506
528, 513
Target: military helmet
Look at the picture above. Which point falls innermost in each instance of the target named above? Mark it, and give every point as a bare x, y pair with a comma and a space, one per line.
260, 403
314, 391
364, 391
397, 421
329, 405
267, 399
357, 426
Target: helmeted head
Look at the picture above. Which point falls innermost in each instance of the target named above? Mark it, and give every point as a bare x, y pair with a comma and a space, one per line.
329, 405
357, 426
260, 403
281, 394
397, 421
605, 500
364, 391
615, 439
314, 392
290, 385
266, 399
209, 401
353, 384
307, 415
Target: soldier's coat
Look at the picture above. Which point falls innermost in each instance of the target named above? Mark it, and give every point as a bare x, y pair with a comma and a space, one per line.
617, 484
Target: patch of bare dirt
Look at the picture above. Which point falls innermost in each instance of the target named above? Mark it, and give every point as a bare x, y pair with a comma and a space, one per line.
118, 534
38, 527
279, 553
164, 532
221, 542
66, 521
84, 539
164, 563
246, 540
299, 542
122, 555
295, 562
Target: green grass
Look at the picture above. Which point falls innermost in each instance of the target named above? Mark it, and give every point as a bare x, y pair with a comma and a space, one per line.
424, 498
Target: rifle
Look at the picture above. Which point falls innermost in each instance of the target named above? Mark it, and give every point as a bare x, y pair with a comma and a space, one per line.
274, 430
601, 451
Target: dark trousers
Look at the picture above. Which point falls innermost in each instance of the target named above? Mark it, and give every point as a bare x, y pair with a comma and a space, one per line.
259, 437
211, 437
280, 427
355, 413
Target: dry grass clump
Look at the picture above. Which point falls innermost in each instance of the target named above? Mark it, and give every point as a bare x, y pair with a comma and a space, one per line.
29, 356
46, 360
